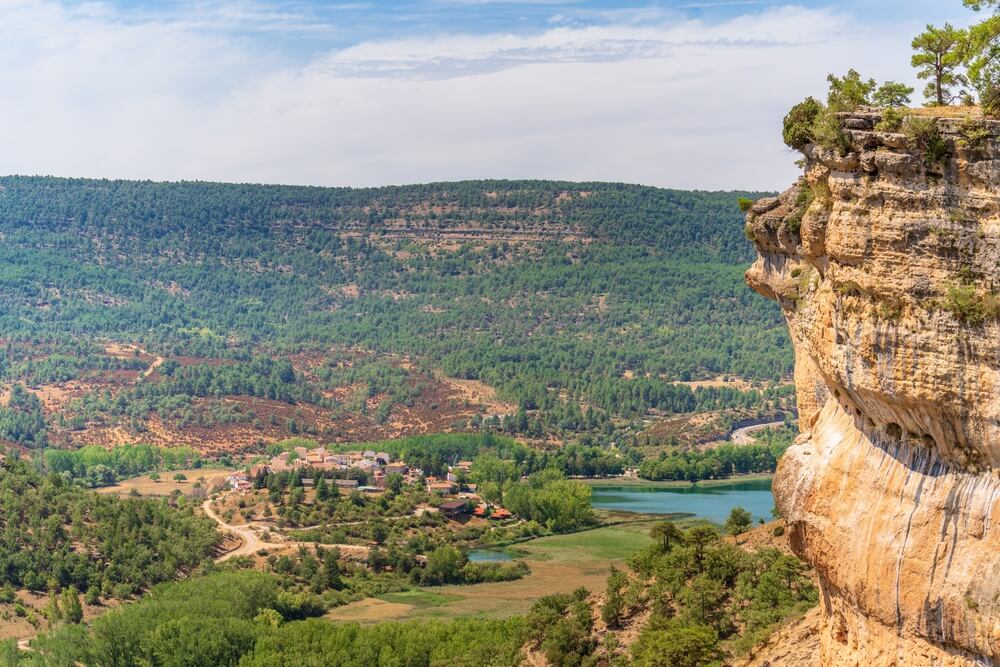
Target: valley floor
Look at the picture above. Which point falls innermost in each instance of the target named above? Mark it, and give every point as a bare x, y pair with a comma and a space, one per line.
559, 564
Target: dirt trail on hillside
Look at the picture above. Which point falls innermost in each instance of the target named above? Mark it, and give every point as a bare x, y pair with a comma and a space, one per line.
252, 543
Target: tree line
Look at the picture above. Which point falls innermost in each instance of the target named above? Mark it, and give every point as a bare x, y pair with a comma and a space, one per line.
721, 461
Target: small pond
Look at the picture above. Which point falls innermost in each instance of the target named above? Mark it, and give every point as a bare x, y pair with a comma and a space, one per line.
489, 555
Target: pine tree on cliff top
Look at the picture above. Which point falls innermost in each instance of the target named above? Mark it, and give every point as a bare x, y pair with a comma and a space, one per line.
939, 54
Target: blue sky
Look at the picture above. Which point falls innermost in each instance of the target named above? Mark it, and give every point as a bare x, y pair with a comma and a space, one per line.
680, 93
305, 27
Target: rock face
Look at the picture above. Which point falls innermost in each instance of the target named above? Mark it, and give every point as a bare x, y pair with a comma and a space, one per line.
885, 260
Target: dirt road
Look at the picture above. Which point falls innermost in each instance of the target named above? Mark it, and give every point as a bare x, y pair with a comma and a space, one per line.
252, 542
152, 367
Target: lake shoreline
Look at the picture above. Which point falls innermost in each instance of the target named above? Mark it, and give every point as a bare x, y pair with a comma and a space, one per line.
672, 484
705, 501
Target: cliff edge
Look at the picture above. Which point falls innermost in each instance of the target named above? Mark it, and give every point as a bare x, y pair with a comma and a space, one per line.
885, 259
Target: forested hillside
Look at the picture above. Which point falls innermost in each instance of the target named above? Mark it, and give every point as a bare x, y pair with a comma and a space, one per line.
583, 304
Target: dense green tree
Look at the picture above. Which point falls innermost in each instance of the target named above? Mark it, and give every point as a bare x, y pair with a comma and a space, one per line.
394, 482
72, 610
799, 123
613, 608
719, 462
679, 645
559, 504
939, 53
892, 94
981, 53
322, 489
666, 534
444, 566
738, 521
849, 92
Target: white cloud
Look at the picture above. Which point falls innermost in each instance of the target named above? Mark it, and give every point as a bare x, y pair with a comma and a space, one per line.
672, 103
463, 54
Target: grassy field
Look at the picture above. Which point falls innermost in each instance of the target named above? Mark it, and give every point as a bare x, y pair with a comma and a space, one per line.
607, 544
145, 486
558, 564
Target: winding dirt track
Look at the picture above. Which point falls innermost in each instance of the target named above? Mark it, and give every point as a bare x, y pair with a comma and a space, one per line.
152, 367
253, 544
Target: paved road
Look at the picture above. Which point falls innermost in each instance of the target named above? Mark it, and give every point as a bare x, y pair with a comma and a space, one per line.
743, 436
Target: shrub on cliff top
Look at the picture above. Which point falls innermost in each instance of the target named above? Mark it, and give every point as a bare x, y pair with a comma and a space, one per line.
827, 132
923, 133
891, 121
974, 135
797, 129
810, 121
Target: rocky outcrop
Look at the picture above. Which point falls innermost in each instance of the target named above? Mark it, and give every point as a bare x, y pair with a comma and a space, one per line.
886, 261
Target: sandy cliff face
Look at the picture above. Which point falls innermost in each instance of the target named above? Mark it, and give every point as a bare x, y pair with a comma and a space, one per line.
885, 262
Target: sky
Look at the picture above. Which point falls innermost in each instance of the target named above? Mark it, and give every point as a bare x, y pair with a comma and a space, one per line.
678, 93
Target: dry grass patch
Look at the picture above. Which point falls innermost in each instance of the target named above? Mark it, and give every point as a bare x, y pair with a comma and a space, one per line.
369, 610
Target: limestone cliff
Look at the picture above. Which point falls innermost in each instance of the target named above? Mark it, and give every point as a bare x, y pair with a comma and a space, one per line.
885, 259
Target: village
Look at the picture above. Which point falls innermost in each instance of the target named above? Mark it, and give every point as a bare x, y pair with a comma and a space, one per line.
369, 472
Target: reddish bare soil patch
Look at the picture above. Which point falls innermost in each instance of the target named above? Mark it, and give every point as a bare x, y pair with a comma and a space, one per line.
479, 393
55, 397
763, 537
202, 361
440, 407
687, 430
246, 423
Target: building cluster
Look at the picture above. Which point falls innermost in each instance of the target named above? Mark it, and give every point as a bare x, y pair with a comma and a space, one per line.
460, 497
451, 482
376, 466
239, 481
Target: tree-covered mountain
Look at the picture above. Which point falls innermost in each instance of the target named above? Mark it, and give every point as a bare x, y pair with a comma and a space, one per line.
604, 293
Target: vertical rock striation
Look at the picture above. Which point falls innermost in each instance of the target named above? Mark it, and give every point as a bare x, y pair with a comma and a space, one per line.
885, 260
